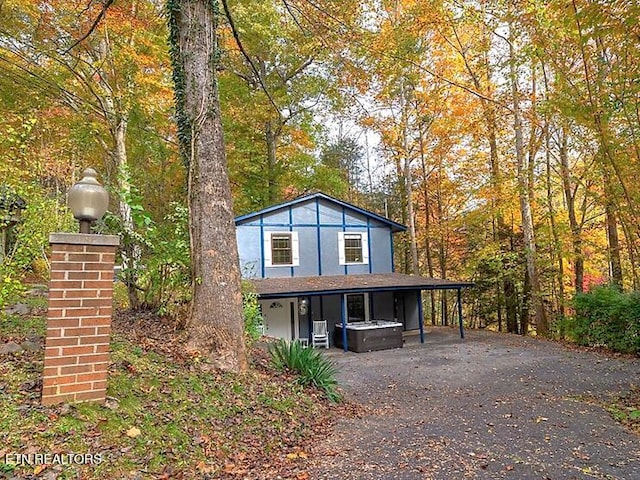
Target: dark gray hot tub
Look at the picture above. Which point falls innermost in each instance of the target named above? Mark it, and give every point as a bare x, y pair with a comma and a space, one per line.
370, 336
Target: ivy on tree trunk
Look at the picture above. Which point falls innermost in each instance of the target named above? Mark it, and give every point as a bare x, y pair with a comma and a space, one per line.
215, 324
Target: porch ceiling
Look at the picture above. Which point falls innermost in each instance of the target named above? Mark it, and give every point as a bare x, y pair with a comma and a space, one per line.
337, 284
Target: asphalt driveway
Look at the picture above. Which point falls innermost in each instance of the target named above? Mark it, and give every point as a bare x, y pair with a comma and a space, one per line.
491, 406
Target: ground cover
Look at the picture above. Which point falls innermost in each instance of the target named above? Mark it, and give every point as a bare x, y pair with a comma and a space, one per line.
167, 415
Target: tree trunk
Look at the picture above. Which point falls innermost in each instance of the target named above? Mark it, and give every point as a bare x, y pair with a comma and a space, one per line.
632, 252
557, 242
131, 253
576, 229
403, 244
615, 263
442, 252
427, 228
412, 222
215, 325
524, 186
116, 116
272, 174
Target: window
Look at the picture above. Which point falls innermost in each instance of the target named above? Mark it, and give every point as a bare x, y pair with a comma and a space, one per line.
357, 307
353, 248
281, 249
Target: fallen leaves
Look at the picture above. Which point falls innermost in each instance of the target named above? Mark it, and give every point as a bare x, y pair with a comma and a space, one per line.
133, 432
297, 455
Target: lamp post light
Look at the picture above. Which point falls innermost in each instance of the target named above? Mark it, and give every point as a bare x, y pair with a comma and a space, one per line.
88, 200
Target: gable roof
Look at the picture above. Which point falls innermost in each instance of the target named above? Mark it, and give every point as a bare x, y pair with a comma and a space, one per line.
395, 226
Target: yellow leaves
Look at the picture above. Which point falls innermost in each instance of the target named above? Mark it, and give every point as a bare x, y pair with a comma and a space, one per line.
39, 469
133, 432
297, 454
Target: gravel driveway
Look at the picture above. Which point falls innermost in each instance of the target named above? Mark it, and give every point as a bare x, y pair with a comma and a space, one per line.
491, 406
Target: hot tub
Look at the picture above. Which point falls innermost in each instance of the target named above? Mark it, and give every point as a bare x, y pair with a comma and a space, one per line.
370, 336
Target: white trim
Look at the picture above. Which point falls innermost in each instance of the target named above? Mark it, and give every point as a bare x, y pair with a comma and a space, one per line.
295, 249
364, 240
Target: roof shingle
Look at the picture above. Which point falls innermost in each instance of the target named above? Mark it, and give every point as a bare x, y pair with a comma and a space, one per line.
337, 284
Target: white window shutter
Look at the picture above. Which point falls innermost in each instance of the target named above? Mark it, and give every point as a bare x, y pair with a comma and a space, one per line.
267, 249
295, 249
365, 248
341, 248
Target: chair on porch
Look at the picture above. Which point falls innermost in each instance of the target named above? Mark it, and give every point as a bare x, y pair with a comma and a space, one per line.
320, 335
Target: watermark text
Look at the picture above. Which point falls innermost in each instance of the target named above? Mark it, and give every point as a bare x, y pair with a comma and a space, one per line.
53, 459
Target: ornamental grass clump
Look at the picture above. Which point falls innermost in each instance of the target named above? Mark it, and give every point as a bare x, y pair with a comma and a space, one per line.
310, 364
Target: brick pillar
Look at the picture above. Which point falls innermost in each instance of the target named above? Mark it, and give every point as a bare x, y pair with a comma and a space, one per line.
76, 358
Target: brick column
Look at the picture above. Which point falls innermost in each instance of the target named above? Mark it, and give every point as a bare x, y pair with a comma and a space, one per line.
76, 358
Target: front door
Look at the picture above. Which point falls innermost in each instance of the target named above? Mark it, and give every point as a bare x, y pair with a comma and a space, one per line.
280, 317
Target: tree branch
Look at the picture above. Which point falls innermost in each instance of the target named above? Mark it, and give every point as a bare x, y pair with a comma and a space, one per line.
105, 7
236, 36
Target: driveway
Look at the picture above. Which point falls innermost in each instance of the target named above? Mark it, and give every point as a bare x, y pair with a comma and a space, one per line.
491, 406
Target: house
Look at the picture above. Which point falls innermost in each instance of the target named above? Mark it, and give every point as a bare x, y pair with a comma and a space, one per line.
320, 258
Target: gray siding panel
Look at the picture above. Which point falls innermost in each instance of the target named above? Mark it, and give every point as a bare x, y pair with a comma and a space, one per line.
316, 308
249, 251
383, 306
329, 243
330, 213
308, 244
357, 269
331, 310
355, 218
411, 314
280, 217
380, 250
304, 321
305, 213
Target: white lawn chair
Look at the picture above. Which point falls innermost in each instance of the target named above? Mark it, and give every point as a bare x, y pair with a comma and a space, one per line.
320, 336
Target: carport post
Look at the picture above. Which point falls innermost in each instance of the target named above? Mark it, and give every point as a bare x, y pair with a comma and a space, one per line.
420, 316
460, 312
343, 313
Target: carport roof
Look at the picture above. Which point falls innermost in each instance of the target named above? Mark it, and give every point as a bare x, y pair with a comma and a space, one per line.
338, 284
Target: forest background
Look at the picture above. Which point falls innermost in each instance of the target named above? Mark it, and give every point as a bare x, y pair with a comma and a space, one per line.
506, 135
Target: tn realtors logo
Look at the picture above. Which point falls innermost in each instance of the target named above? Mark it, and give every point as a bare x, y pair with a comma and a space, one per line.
53, 458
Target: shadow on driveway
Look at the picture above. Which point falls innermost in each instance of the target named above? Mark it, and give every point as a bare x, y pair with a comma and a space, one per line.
490, 406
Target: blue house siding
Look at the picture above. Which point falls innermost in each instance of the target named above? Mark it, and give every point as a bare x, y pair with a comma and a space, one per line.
317, 222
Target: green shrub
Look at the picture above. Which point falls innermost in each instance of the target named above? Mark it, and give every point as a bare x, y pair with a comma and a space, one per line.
161, 276
29, 241
11, 286
312, 366
605, 316
253, 320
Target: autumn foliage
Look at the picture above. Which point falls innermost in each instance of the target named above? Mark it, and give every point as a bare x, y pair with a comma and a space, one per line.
504, 135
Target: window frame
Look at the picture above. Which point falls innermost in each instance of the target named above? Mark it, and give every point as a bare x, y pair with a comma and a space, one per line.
293, 247
342, 247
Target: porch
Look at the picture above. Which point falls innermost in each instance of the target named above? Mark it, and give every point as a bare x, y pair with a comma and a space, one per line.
290, 305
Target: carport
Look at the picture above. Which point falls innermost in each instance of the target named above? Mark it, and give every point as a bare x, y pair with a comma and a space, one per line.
326, 294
